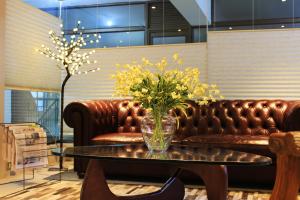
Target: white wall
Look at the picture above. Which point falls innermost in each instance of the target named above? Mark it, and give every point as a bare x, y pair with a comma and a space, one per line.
2, 19
246, 64
99, 85
26, 28
255, 64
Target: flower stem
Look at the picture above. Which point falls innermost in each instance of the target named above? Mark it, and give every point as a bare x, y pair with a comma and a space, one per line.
158, 135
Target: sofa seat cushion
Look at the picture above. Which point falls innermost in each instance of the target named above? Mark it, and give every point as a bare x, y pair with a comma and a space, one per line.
117, 138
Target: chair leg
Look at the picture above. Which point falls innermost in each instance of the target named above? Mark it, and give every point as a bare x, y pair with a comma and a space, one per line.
287, 182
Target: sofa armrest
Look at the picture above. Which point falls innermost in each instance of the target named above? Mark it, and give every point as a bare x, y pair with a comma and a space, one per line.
285, 143
292, 118
90, 118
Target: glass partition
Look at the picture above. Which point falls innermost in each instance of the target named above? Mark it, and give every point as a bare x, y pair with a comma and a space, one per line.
105, 17
255, 14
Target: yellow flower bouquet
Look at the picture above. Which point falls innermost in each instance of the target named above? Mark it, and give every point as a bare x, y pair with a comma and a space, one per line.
159, 90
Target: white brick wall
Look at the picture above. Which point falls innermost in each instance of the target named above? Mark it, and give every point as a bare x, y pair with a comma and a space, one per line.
255, 64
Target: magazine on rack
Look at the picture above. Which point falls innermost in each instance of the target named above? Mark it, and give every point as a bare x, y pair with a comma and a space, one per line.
30, 146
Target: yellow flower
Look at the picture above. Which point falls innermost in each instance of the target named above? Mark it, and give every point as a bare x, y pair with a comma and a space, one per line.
190, 96
149, 98
175, 57
137, 94
173, 94
144, 78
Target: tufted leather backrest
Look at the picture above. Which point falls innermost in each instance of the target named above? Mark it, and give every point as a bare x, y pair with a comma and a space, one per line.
129, 117
235, 117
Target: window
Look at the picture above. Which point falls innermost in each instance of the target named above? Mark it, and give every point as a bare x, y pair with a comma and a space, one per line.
118, 39
25, 106
168, 40
118, 26
255, 14
105, 17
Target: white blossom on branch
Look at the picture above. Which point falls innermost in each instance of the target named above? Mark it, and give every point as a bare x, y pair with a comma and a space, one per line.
66, 53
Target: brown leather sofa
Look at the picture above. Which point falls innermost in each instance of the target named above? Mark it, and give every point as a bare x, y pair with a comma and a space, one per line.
243, 125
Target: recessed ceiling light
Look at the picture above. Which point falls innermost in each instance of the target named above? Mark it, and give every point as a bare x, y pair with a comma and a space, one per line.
109, 23
282, 26
230, 28
283, 0
179, 30
153, 7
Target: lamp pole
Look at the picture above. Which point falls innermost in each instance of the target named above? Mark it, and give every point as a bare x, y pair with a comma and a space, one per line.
62, 95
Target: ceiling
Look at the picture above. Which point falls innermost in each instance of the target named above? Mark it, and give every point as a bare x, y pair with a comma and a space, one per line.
55, 3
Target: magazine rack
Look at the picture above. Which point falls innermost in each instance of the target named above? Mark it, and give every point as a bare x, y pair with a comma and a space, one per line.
23, 146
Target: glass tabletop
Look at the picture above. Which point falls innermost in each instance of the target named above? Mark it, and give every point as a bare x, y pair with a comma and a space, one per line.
176, 153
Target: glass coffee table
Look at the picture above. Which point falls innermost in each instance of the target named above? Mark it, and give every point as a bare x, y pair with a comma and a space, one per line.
208, 163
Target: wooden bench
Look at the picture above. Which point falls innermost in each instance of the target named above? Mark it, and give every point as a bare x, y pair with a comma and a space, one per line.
287, 149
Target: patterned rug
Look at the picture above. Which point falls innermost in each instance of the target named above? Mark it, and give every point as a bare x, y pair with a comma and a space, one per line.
70, 190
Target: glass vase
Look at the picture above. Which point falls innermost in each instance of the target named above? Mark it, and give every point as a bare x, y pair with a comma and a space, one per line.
158, 130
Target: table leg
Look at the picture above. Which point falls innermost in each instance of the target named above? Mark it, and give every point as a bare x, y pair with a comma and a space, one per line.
287, 182
215, 179
95, 187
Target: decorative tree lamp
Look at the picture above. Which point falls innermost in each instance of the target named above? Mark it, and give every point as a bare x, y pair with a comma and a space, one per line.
68, 58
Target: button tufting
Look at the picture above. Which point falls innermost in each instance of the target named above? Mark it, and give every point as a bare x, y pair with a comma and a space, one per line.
279, 105
265, 105
244, 113
238, 105
257, 114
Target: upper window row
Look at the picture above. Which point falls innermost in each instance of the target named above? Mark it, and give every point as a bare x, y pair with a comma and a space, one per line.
105, 17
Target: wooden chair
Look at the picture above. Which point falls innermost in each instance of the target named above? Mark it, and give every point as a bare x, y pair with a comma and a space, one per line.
287, 149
